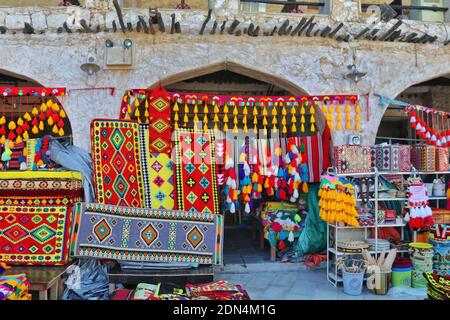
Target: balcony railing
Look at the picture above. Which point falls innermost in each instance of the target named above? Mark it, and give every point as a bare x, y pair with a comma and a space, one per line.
275, 6
416, 12
166, 4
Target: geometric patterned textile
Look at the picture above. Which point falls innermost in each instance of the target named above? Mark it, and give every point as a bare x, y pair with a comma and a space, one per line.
352, 159
423, 157
160, 122
196, 171
35, 216
161, 175
34, 234
123, 233
117, 163
157, 173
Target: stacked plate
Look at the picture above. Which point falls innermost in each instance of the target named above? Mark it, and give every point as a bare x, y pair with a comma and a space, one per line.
351, 246
383, 245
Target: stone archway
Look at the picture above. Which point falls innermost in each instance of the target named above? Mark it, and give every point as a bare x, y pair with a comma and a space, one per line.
240, 69
14, 106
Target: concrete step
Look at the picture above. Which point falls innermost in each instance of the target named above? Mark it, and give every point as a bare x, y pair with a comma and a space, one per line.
263, 267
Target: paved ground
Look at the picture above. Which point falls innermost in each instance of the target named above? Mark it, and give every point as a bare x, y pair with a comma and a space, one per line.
303, 284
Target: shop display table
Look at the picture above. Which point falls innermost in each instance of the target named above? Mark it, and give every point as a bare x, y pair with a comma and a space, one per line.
202, 274
48, 281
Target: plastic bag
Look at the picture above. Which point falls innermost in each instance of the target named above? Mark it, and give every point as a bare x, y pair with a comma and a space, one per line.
87, 280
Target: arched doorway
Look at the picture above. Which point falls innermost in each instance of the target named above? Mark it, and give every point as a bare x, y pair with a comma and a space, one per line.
28, 112
231, 79
395, 124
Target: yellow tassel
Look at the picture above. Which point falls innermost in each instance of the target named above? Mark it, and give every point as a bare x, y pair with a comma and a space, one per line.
283, 120
294, 119
175, 106
294, 128
225, 118
34, 111
348, 125
176, 126
225, 108
274, 110
25, 151
49, 103
26, 136
61, 132
245, 111
10, 144
55, 107
274, 120
302, 128
205, 118
129, 109
235, 110
313, 128
330, 108
274, 129
205, 127
186, 108
284, 129
255, 111
185, 119
205, 108
34, 130
2, 140
235, 128
62, 113
175, 117
26, 116
44, 106
137, 113
312, 110
2, 120
136, 102
55, 129
225, 127
50, 121
312, 120
127, 116
19, 139
245, 128
302, 119
357, 117
305, 187
264, 111
146, 114
358, 127
195, 109
216, 118
216, 108
265, 123
20, 122
358, 107
283, 111
196, 118
12, 125
244, 120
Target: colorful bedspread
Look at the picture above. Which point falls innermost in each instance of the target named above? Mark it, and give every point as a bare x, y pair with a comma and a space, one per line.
35, 216
124, 233
196, 171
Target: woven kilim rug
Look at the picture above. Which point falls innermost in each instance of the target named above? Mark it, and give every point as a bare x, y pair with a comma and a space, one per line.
196, 171
132, 234
117, 163
35, 216
160, 122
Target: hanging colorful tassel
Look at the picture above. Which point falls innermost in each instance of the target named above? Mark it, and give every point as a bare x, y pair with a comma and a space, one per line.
216, 117
348, 125
338, 118
235, 119
357, 117
255, 119
293, 118
274, 117
312, 111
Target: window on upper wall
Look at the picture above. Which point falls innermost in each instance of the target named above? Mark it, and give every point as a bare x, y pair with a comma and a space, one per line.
166, 4
40, 3
278, 6
420, 10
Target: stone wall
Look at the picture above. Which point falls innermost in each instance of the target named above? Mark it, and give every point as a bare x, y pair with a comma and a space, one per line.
314, 65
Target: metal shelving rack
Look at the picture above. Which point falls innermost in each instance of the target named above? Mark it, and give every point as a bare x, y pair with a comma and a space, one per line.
332, 272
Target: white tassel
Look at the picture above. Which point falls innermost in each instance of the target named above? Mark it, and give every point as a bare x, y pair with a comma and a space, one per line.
232, 208
233, 184
23, 166
428, 211
247, 208
292, 199
418, 126
246, 169
229, 163
295, 195
428, 135
291, 237
438, 143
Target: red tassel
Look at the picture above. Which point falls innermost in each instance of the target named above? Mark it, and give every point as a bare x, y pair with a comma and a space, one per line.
281, 245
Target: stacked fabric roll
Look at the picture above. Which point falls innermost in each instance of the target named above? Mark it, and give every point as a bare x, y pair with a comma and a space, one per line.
14, 287
421, 255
